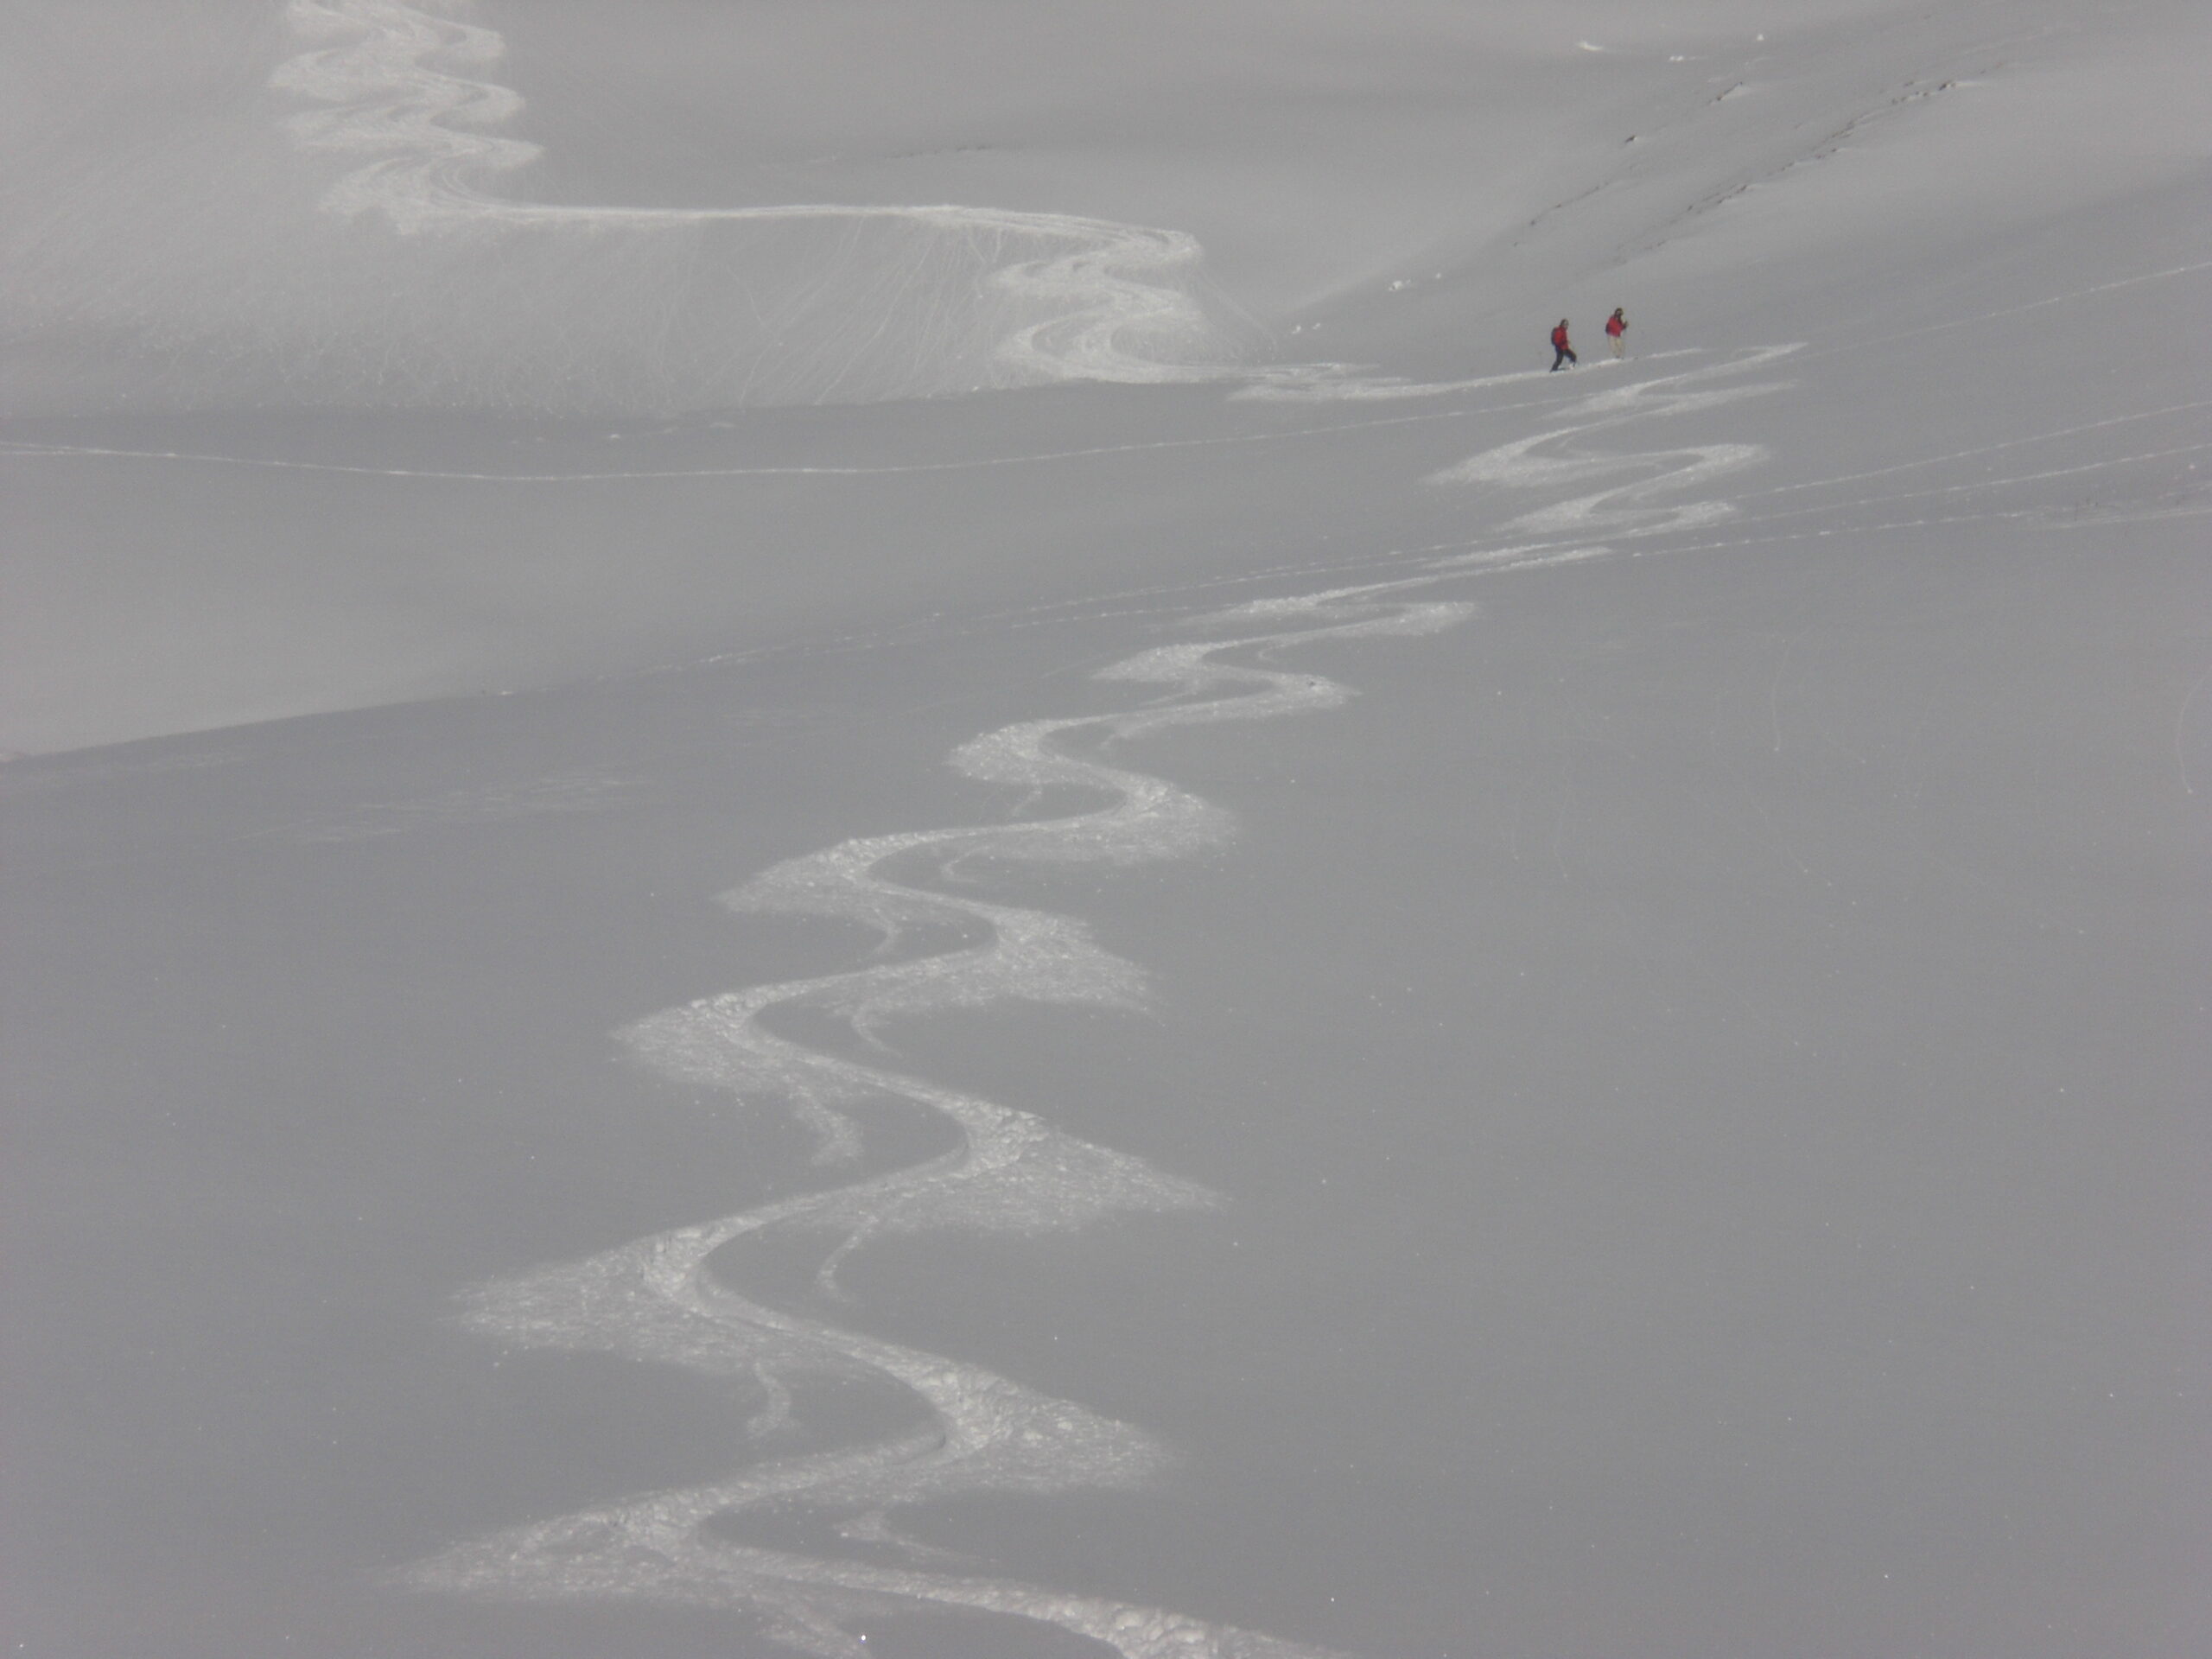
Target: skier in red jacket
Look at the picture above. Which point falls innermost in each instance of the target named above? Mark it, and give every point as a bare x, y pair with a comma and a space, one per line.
1616, 325
1562, 352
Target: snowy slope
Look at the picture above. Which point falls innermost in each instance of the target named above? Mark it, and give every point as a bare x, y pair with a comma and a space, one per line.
1536, 1014
254, 208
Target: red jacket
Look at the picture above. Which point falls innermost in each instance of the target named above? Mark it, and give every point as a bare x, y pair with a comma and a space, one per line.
1614, 325
1559, 338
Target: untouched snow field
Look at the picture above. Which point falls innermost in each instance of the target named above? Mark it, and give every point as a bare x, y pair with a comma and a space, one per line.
1158, 953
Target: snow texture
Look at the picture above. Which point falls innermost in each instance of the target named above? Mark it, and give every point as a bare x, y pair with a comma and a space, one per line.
1371, 993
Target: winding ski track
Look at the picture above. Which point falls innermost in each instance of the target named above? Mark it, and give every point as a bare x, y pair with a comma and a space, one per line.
393, 90
397, 92
940, 948
941, 945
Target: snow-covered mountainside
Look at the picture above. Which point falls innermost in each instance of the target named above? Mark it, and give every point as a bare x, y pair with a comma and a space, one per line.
1366, 999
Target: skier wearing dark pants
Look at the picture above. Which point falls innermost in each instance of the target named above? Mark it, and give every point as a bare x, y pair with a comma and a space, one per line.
1562, 352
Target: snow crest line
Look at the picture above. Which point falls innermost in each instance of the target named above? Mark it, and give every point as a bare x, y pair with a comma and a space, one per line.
1345, 383
396, 90
940, 946
23, 449
1329, 385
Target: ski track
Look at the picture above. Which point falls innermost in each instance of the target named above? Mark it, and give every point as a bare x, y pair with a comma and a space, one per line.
941, 944
396, 87
394, 90
1636, 506
658, 1299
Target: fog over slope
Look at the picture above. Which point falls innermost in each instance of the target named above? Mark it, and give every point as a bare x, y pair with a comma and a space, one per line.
1160, 955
